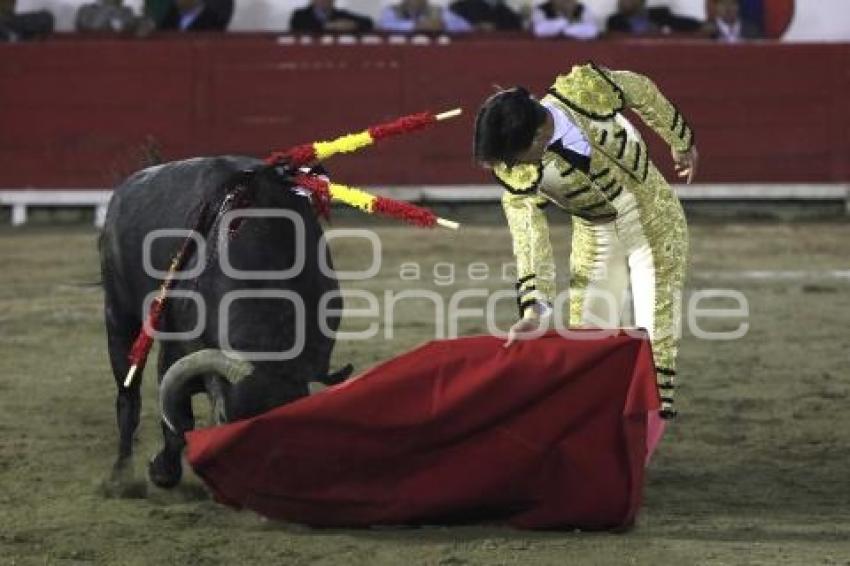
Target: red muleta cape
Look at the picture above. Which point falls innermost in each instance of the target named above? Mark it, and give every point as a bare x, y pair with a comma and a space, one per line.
547, 434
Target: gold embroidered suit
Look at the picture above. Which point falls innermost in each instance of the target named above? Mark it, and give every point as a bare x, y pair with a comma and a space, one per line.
628, 226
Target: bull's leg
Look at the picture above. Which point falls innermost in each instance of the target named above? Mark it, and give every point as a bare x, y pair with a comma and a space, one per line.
128, 407
128, 402
166, 468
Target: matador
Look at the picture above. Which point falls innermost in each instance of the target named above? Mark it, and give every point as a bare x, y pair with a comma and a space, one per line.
576, 149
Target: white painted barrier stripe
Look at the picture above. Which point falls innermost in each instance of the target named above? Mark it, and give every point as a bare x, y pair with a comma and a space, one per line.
20, 199
474, 193
749, 192
775, 274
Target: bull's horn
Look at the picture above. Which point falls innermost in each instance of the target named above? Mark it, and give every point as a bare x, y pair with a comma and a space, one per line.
175, 387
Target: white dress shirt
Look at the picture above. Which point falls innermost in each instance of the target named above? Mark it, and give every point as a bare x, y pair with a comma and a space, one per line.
566, 131
728, 33
585, 28
392, 20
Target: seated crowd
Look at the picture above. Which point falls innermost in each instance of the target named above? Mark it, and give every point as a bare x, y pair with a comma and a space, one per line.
550, 19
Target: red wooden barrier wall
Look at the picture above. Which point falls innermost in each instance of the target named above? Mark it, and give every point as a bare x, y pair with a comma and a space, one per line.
73, 112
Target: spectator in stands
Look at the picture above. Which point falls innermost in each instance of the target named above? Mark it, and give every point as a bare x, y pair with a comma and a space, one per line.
111, 16
564, 18
633, 17
420, 16
197, 15
322, 16
725, 22
25, 25
157, 9
487, 15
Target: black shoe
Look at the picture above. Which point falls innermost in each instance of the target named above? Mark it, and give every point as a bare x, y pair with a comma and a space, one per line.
668, 413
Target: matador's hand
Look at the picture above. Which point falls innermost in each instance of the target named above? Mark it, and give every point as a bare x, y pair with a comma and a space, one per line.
524, 329
686, 163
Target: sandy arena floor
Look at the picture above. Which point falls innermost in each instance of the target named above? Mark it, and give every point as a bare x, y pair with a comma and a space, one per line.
755, 470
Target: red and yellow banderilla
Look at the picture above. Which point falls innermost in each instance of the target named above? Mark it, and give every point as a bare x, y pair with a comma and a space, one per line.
308, 153
322, 192
326, 191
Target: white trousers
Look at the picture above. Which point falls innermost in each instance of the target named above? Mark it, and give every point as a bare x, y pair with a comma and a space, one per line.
644, 255
622, 264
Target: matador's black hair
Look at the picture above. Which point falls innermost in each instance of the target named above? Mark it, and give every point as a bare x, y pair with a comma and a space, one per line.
506, 125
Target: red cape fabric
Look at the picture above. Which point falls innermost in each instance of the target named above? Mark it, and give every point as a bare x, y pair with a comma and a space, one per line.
549, 433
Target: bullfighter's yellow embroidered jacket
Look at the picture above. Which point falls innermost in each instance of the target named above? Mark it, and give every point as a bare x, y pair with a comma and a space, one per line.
594, 98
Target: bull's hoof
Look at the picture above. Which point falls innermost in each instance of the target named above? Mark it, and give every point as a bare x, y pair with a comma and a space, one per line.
165, 469
122, 482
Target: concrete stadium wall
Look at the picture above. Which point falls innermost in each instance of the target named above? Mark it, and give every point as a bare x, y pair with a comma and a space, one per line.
76, 113
814, 20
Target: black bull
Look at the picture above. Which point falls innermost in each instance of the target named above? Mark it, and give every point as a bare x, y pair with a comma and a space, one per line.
170, 196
